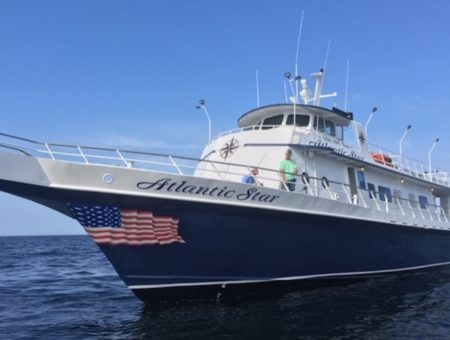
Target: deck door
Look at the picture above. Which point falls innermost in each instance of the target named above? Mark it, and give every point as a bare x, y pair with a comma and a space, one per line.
352, 182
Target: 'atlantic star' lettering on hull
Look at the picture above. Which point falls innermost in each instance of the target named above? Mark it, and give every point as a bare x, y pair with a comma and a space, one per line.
169, 185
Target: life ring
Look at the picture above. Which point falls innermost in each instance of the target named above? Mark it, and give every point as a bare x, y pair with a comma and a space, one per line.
382, 159
305, 178
325, 182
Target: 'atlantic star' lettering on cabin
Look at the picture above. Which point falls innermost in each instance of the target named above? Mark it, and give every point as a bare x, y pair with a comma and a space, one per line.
339, 151
169, 185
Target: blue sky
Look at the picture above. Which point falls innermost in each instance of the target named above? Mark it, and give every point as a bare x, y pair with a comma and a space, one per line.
129, 73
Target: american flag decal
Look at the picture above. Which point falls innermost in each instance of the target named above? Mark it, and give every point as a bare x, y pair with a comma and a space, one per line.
114, 226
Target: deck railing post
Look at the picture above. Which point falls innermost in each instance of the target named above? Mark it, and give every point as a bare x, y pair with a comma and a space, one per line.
361, 198
400, 205
175, 165
416, 170
47, 146
349, 199
375, 200
127, 163
330, 193
444, 214
411, 208
407, 165
82, 154
429, 212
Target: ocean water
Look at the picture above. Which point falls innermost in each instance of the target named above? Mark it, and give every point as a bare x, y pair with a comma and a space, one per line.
62, 287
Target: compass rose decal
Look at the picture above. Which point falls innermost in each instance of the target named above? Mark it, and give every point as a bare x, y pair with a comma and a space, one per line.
229, 148
362, 138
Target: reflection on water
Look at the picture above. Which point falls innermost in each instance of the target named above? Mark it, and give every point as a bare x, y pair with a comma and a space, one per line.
54, 287
415, 304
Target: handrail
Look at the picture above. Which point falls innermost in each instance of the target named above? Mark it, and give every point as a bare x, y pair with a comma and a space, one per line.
15, 149
404, 164
20, 138
171, 164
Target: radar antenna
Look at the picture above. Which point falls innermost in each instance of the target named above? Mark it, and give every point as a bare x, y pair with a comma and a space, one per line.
346, 85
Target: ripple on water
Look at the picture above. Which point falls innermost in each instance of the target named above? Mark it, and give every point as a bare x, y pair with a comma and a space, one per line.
63, 287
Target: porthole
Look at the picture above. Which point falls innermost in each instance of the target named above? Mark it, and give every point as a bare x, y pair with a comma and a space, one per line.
108, 178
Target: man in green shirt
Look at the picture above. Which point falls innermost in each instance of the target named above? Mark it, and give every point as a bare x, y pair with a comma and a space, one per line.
288, 170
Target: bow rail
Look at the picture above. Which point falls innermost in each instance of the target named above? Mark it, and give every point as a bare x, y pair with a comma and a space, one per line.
399, 208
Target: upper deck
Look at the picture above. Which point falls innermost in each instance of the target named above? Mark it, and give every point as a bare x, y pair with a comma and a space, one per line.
306, 116
321, 127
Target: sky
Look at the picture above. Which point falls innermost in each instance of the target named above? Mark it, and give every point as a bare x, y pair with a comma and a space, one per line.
130, 73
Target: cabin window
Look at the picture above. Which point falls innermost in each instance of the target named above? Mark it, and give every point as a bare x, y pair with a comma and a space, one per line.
361, 179
319, 124
412, 200
437, 201
253, 127
372, 190
340, 132
329, 128
271, 122
300, 120
398, 197
423, 202
385, 193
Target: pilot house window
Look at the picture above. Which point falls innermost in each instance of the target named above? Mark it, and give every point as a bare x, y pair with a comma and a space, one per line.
319, 124
271, 122
326, 126
300, 120
340, 132
329, 128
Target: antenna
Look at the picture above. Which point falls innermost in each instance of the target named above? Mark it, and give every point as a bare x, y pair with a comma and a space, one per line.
297, 77
257, 88
202, 107
319, 77
285, 92
346, 85
299, 37
326, 56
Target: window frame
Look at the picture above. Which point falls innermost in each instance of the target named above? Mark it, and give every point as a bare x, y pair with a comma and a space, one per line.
265, 126
362, 180
423, 202
328, 124
384, 192
291, 115
372, 190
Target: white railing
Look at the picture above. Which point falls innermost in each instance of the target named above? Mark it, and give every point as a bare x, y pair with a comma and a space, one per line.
249, 128
381, 156
319, 187
409, 166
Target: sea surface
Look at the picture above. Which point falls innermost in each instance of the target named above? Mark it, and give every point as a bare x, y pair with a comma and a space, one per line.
62, 287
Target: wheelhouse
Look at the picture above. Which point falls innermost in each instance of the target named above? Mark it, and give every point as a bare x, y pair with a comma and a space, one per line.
304, 117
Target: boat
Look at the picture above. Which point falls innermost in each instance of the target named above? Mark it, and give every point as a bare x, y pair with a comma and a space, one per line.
179, 227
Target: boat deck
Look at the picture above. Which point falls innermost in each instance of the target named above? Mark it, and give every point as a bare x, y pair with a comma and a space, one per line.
403, 211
